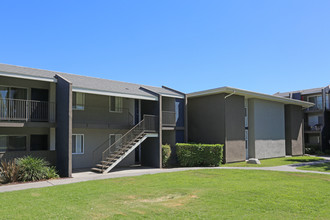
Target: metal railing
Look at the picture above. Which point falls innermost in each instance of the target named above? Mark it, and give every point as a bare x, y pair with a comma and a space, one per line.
317, 127
169, 118
26, 110
148, 124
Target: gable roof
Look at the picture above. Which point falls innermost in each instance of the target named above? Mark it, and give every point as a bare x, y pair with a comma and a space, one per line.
89, 84
250, 94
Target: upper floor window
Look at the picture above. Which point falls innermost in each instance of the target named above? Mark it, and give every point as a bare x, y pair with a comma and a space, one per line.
78, 101
13, 93
317, 100
115, 104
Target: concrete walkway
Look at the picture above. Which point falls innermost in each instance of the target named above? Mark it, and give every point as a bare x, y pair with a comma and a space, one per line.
83, 176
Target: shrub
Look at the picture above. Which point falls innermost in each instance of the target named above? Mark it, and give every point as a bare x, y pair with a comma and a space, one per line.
34, 169
166, 153
312, 148
52, 173
9, 171
199, 154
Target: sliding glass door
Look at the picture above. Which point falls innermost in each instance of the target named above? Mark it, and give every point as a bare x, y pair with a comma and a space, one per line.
12, 103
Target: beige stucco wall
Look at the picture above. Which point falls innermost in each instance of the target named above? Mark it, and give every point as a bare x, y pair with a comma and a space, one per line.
266, 129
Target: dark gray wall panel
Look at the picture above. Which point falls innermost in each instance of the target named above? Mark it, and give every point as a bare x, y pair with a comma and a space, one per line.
64, 126
294, 130
206, 119
235, 130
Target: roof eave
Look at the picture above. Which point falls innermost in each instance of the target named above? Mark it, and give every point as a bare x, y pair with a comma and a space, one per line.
251, 94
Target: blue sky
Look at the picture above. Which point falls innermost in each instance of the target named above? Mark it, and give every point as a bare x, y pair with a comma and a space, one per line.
264, 46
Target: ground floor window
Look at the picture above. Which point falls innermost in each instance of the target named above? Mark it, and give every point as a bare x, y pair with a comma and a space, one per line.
39, 142
77, 144
113, 138
12, 143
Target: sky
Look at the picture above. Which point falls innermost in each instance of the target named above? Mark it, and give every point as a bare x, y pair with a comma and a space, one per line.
188, 45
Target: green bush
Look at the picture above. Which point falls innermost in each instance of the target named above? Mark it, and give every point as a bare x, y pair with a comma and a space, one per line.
34, 169
166, 153
9, 171
312, 148
190, 155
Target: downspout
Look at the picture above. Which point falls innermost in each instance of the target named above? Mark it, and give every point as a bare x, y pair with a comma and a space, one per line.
224, 114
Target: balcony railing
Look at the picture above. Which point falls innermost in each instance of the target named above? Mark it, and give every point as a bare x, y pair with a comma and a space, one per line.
169, 118
26, 110
317, 127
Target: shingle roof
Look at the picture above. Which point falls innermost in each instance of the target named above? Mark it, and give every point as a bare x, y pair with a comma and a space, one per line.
91, 83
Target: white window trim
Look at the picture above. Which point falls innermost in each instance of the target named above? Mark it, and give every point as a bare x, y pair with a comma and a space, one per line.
121, 107
83, 144
115, 138
20, 135
84, 98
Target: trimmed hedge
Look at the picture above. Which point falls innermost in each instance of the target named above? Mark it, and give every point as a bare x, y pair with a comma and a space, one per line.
191, 155
166, 153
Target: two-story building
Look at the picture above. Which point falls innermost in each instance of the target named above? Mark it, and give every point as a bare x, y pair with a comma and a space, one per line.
81, 122
317, 117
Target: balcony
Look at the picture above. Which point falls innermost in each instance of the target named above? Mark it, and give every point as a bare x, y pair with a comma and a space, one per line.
19, 110
313, 129
169, 119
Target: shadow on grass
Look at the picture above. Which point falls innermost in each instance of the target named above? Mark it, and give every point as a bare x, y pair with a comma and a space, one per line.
320, 167
303, 160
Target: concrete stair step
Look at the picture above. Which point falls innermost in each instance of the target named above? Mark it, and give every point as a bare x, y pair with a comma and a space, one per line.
97, 170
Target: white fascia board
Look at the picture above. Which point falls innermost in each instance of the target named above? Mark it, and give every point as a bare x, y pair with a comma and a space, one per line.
21, 76
107, 93
250, 94
172, 96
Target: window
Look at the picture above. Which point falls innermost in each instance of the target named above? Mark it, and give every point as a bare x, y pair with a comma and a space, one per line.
11, 105
115, 104
78, 101
113, 138
12, 143
13, 93
39, 142
317, 100
77, 144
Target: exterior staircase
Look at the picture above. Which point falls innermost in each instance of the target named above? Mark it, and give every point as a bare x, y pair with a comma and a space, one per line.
126, 144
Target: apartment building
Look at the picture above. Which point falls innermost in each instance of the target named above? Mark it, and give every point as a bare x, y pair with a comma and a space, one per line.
249, 124
317, 117
82, 122
78, 122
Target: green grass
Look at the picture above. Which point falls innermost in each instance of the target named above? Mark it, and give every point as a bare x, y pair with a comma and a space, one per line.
276, 162
199, 194
323, 167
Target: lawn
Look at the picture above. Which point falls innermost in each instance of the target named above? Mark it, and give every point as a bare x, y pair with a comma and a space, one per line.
323, 167
199, 194
276, 162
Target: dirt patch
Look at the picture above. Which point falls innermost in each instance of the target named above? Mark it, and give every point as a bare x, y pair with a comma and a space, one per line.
35, 194
162, 199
